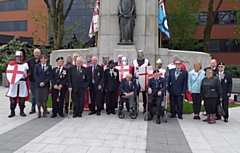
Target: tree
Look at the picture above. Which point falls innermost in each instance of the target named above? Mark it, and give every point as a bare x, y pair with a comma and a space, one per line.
211, 15
182, 23
57, 17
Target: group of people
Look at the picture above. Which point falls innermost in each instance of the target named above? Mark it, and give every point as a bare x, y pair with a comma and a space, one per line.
101, 83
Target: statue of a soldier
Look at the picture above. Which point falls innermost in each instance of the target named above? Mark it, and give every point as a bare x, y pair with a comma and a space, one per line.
127, 15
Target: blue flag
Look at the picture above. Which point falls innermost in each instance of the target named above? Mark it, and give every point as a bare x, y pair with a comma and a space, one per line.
162, 20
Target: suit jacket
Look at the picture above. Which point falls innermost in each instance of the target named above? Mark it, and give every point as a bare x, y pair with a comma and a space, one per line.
161, 85
41, 75
128, 87
226, 83
177, 85
211, 88
98, 76
111, 82
59, 78
215, 71
68, 65
78, 80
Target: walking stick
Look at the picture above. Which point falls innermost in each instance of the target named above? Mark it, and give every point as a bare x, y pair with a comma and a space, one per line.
69, 103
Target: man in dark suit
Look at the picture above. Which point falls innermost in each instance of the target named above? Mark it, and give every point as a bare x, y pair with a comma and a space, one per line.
59, 87
119, 62
128, 89
213, 66
78, 81
96, 86
156, 88
225, 78
111, 82
177, 84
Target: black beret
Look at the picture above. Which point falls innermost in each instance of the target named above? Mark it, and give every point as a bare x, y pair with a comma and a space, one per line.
221, 63
111, 62
59, 58
156, 71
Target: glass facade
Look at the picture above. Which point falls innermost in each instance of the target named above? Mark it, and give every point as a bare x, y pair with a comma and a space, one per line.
13, 5
80, 18
14, 26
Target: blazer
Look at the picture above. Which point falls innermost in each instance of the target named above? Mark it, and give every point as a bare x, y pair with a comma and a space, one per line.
211, 88
98, 76
177, 86
41, 75
59, 78
78, 80
128, 87
194, 81
111, 82
161, 85
226, 83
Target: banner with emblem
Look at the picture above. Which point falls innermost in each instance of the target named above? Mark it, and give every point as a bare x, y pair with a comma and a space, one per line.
145, 73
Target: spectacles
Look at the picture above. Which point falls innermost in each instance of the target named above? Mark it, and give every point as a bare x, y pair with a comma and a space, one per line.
178, 63
220, 66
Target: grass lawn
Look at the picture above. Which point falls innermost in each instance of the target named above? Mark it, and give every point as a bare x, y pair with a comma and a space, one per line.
187, 107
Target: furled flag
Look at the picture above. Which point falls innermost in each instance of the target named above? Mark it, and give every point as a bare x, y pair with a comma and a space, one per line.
162, 20
95, 19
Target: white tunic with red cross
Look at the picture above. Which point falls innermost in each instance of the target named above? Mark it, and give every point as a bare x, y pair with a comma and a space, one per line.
17, 88
137, 66
124, 70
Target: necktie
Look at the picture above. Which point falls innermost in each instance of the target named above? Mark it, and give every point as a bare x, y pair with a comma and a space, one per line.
93, 73
220, 77
58, 71
43, 67
177, 72
156, 82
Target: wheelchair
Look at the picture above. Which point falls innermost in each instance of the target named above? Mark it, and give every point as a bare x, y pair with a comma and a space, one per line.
163, 110
124, 100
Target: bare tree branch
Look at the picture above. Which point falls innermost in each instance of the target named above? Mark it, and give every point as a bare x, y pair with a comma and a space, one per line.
68, 10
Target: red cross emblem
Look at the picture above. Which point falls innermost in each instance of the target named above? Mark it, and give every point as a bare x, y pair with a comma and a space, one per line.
14, 73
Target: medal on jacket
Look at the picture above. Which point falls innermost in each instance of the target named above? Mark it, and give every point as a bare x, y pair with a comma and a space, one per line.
98, 74
225, 80
83, 77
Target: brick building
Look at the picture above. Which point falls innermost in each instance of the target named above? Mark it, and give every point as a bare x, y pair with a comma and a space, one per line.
15, 19
223, 46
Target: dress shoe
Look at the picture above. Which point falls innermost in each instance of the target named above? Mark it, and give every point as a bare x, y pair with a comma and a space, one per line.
47, 112
80, 115
206, 120
218, 118
53, 116
195, 117
198, 117
32, 111
180, 117
226, 120
61, 115
211, 122
98, 113
91, 113
113, 112
172, 116
75, 115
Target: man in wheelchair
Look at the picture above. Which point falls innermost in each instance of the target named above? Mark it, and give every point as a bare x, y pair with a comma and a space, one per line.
128, 89
156, 88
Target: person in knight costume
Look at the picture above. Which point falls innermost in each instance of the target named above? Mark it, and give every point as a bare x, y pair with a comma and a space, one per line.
124, 61
105, 62
160, 69
137, 63
18, 83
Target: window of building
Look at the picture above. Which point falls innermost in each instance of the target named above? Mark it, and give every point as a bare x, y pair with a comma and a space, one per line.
13, 5
227, 17
224, 45
14, 26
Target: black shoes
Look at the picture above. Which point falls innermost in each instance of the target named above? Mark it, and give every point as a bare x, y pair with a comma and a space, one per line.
91, 113
75, 116
113, 112
196, 117
98, 113
180, 117
172, 116
61, 115
11, 115
158, 121
32, 111
22, 114
226, 120
53, 116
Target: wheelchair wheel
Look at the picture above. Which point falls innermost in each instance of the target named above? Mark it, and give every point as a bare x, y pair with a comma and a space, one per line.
134, 115
121, 115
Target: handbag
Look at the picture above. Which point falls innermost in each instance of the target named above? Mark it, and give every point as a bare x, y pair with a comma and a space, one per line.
220, 110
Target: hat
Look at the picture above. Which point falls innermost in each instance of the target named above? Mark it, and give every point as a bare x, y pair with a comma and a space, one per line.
111, 62
59, 58
159, 61
221, 63
140, 51
43, 57
89, 56
156, 71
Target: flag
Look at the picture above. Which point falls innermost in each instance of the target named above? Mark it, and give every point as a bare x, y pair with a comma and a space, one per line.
162, 20
95, 19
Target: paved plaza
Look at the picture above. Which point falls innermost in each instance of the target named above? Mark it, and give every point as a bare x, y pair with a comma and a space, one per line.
109, 134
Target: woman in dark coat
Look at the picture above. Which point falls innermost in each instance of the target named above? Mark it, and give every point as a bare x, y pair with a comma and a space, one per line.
211, 91
42, 75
